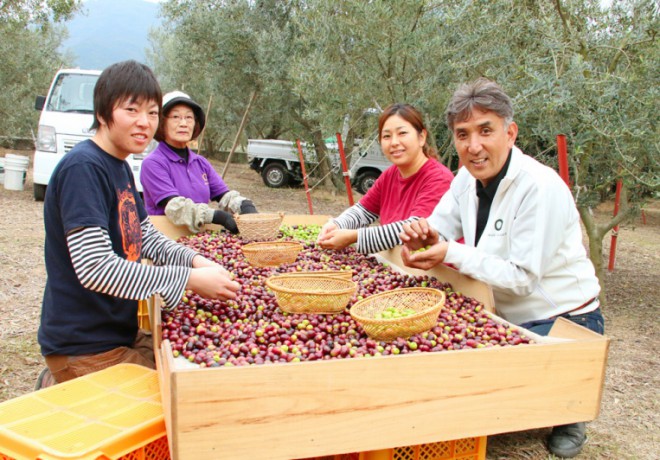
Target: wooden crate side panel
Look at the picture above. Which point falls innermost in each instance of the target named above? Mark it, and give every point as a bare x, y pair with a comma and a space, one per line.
310, 409
303, 219
342, 406
565, 328
466, 285
175, 232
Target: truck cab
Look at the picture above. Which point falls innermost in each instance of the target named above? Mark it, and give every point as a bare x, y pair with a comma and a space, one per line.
367, 164
278, 162
67, 113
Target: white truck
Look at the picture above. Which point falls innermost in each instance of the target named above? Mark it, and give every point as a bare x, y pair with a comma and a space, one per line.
278, 162
67, 113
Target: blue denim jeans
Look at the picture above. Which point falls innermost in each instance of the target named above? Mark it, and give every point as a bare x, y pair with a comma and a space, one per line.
593, 321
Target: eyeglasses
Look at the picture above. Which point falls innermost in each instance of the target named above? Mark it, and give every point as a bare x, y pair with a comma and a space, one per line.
178, 119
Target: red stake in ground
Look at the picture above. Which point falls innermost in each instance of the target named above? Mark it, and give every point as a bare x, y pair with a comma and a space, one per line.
304, 173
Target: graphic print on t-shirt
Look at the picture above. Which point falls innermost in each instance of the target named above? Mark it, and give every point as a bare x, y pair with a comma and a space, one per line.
129, 223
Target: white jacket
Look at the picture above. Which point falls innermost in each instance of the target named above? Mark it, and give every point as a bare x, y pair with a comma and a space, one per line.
530, 251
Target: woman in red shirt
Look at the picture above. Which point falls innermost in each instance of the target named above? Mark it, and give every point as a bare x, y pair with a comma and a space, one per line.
406, 191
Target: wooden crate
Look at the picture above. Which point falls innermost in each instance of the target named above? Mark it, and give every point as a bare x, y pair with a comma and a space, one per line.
312, 409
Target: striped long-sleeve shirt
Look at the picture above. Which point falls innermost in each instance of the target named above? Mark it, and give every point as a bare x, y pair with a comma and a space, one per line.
101, 270
395, 201
371, 239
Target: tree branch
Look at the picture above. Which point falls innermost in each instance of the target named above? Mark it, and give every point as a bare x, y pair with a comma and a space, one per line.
622, 50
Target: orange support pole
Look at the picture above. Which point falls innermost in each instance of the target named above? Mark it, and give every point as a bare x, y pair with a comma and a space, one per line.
304, 173
562, 157
615, 230
344, 167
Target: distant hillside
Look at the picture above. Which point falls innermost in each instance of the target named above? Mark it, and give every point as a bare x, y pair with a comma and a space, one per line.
108, 31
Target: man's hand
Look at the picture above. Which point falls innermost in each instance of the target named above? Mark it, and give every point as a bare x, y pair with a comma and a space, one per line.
418, 234
338, 239
200, 261
212, 282
425, 258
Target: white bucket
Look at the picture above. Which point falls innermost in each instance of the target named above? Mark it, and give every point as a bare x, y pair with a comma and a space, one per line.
16, 167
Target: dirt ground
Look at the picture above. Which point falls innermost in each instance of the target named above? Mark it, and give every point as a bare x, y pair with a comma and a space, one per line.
627, 427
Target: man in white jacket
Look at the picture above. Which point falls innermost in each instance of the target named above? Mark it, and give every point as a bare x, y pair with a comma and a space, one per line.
521, 229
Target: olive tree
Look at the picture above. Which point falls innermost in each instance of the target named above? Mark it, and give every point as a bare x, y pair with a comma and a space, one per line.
573, 67
366, 55
37, 12
576, 68
235, 48
28, 51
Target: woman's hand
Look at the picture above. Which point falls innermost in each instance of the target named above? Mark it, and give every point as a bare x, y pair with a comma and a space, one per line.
327, 228
338, 239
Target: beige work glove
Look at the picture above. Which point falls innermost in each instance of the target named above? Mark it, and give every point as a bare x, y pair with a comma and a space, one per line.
183, 211
231, 202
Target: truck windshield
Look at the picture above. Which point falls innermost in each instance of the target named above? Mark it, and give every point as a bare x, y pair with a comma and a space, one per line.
73, 93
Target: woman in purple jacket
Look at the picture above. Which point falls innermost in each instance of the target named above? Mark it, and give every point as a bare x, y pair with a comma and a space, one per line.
179, 183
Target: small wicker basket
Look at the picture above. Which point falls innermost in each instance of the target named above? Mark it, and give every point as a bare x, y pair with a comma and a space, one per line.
343, 274
259, 227
427, 303
311, 294
271, 253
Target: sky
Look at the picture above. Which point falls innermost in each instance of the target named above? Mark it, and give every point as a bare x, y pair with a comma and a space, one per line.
108, 31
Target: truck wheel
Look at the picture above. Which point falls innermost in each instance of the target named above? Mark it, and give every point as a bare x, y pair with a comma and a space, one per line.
39, 191
275, 175
365, 181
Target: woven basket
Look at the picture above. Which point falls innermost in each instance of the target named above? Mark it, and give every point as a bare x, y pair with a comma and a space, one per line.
271, 253
343, 274
259, 227
427, 302
311, 294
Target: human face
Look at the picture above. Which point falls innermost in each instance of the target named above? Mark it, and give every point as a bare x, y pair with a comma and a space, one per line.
483, 142
134, 124
402, 145
179, 126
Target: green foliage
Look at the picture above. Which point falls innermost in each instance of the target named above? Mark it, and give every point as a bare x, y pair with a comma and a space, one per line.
571, 66
381, 51
40, 12
28, 51
234, 49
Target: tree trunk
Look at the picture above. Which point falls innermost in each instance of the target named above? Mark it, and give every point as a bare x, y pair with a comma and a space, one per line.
596, 233
314, 129
253, 97
325, 167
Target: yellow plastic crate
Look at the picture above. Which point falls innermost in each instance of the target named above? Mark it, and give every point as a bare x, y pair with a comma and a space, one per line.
459, 449
113, 413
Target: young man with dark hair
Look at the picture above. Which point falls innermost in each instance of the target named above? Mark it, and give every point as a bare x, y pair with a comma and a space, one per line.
521, 228
97, 232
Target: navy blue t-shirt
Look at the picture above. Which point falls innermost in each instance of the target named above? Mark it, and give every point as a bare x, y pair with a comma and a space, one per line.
89, 188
